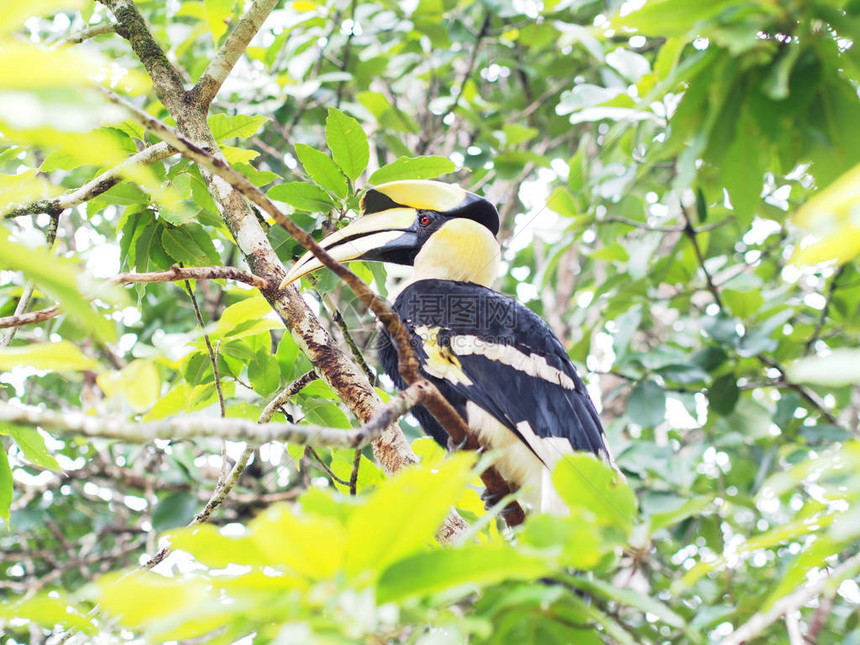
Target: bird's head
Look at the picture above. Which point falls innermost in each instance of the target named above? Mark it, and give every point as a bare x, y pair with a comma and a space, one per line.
398, 221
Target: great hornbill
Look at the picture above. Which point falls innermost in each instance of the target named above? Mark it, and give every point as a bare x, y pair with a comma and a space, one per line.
491, 357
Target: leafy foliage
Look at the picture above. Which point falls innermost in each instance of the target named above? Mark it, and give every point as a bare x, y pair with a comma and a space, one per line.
677, 183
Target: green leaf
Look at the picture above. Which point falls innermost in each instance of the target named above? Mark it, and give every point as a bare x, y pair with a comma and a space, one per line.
322, 169
235, 155
723, 394
5, 485
177, 509
62, 356
181, 246
464, 569
237, 126
628, 597
217, 12
413, 168
246, 318
840, 367
347, 142
265, 374
59, 278
646, 405
589, 485
303, 196
32, 444
743, 304
311, 545
387, 528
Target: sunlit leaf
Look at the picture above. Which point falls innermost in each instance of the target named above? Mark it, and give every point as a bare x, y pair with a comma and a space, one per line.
586, 483
412, 168
61, 356
32, 444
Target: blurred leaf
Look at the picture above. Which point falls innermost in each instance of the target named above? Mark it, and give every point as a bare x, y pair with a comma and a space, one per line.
387, 529
723, 394
60, 356
217, 14
840, 367
59, 277
311, 545
590, 485
469, 566
831, 216
646, 405
177, 509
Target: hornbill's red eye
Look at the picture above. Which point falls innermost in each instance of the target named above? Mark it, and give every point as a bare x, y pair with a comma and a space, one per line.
424, 219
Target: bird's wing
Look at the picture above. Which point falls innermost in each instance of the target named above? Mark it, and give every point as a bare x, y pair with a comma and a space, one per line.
487, 348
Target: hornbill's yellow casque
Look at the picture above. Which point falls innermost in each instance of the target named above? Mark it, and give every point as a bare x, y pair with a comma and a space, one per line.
496, 361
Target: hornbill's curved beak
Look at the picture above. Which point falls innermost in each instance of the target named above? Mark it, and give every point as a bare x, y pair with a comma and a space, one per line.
390, 228
370, 237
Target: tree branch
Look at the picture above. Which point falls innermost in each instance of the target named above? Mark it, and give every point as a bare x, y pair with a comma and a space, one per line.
678, 228
166, 80
792, 602
690, 232
222, 64
188, 427
227, 181
226, 484
92, 188
174, 274
86, 33
824, 310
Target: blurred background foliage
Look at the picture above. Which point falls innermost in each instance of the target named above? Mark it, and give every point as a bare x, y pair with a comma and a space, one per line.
678, 186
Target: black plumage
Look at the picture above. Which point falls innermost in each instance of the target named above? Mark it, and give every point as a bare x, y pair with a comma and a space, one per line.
470, 314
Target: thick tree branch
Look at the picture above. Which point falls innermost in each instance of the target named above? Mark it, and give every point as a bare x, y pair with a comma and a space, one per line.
222, 64
792, 602
166, 80
188, 427
227, 181
92, 188
174, 274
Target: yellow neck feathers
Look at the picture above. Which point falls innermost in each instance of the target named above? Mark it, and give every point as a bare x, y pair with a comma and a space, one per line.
461, 250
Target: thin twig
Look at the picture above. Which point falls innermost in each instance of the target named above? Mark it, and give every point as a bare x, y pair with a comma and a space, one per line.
353, 477
678, 228
690, 232
824, 310
86, 33
93, 188
174, 274
313, 454
213, 359
793, 601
